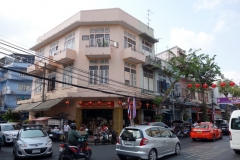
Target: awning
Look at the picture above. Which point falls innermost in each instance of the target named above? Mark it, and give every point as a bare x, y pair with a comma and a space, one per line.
21, 107
31, 106
47, 104
148, 38
40, 119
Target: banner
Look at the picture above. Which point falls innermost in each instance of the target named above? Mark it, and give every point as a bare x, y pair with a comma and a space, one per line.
134, 108
229, 100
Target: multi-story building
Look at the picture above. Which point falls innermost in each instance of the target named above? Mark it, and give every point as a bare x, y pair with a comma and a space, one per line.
14, 86
106, 50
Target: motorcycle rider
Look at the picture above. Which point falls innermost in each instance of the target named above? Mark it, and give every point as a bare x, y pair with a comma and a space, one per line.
73, 137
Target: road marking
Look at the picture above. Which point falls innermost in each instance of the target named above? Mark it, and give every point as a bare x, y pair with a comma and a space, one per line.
191, 156
216, 147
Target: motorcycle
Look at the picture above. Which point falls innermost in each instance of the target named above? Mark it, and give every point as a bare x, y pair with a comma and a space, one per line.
97, 138
113, 137
184, 133
67, 152
105, 137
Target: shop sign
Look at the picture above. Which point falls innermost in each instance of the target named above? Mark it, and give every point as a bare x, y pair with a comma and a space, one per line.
53, 122
229, 100
97, 104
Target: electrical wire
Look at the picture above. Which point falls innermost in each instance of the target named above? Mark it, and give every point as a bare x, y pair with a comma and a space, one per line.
46, 58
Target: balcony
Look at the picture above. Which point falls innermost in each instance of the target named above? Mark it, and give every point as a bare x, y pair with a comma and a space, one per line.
152, 62
133, 56
34, 69
65, 56
95, 51
50, 64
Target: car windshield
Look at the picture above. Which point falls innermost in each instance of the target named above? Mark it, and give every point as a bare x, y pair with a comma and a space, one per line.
235, 124
131, 133
224, 125
33, 133
10, 127
201, 126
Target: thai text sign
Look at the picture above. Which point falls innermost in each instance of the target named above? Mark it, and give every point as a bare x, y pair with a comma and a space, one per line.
229, 100
98, 104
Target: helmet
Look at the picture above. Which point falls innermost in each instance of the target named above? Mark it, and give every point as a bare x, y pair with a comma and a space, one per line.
73, 126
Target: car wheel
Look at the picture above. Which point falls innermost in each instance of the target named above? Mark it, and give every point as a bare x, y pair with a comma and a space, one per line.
152, 155
177, 149
193, 139
15, 156
4, 141
122, 157
50, 155
237, 151
214, 138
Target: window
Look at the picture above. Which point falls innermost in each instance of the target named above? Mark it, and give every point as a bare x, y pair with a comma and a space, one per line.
39, 55
162, 85
33, 133
130, 74
10, 127
107, 30
38, 85
18, 99
69, 41
104, 74
24, 87
99, 40
99, 30
148, 79
86, 37
164, 133
235, 124
23, 75
155, 132
129, 43
146, 47
206, 97
93, 74
67, 75
131, 134
127, 34
53, 48
52, 82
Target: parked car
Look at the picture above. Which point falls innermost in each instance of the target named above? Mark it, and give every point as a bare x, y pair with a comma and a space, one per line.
234, 131
225, 128
8, 131
160, 124
206, 130
146, 142
32, 141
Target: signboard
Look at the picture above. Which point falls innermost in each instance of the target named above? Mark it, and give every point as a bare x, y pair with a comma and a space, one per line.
109, 104
229, 100
55, 122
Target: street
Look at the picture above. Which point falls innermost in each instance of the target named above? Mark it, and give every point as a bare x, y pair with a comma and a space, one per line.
199, 150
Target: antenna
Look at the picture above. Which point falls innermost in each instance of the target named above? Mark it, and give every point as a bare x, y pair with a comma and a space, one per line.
148, 17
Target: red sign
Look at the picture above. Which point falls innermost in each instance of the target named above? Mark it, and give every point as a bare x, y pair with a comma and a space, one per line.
97, 104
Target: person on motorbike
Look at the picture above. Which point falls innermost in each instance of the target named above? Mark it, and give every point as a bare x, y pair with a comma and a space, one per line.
73, 137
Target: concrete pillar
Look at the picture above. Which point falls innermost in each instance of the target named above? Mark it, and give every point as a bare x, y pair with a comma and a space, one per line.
118, 119
78, 119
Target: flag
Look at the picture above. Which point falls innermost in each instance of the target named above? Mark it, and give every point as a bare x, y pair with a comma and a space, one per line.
134, 108
129, 109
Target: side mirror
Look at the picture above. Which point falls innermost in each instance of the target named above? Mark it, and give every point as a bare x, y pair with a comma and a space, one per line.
50, 135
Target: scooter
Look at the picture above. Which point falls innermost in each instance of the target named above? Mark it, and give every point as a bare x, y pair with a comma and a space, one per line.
97, 138
67, 152
105, 137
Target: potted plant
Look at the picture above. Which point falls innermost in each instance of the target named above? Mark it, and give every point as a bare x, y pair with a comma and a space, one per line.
158, 117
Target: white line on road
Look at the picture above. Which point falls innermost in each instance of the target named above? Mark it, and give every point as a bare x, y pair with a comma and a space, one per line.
191, 156
216, 147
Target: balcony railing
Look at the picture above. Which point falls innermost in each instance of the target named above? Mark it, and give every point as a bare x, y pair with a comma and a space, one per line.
65, 56
152, 62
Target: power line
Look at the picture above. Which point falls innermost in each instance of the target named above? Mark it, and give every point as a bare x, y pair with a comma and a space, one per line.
80, 70
77, 74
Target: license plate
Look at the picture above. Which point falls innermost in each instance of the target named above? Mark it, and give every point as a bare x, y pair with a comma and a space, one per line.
60, 149
127, 143
199, 131
36, 151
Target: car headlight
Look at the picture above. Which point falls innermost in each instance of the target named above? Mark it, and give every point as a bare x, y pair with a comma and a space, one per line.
8, 134
22, 145
49, 143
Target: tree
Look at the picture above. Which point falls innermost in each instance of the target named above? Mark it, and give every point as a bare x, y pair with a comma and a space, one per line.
204, 70
10, 116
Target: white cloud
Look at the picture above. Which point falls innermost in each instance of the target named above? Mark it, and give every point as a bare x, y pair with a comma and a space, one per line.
219, 26
187, 39
206, 4
232, 75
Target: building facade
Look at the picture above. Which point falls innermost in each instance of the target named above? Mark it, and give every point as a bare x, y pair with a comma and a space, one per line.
14, 86
106, 54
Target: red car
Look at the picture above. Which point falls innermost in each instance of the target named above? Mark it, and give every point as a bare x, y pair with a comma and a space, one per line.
206, 130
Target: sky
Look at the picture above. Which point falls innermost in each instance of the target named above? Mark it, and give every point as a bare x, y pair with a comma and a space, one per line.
210, 25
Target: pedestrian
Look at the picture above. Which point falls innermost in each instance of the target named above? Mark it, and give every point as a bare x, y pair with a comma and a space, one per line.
66, 128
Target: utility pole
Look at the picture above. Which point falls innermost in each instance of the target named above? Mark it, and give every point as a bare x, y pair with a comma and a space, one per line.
44, 74
148, 17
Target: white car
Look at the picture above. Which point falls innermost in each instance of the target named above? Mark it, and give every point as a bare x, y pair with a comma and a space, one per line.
234, 131
8, 131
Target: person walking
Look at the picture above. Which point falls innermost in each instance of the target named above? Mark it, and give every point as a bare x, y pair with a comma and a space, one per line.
66, 128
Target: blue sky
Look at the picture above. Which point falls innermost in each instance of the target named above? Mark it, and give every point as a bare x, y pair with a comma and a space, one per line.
212, 25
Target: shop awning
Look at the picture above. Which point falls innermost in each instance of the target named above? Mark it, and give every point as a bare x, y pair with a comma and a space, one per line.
31, 106
40, 119
21, 107
47, 104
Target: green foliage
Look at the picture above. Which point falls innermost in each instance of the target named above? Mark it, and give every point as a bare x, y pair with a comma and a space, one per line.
203, 109
10, 116
157, 100
185, 116
158, 117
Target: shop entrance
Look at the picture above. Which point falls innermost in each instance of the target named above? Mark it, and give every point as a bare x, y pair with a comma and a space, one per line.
149, 115
93, 118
